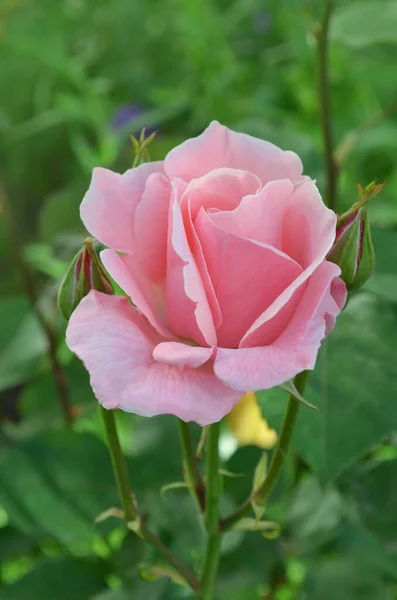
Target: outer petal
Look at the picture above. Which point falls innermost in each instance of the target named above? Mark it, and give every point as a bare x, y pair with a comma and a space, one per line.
115, 343
295, 350
188, 310
309, 227
108, 207
247, 277
308, 232
151, 227
128, 271
219, 147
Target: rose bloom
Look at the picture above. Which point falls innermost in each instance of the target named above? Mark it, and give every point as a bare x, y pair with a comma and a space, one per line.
222, 250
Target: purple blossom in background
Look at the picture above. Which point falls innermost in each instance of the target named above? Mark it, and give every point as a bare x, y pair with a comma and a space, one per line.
261, 21
125, 114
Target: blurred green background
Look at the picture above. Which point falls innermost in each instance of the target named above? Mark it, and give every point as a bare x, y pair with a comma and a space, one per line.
76, 76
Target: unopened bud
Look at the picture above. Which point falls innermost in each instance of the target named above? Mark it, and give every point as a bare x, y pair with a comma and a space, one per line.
353, 249
141, 146
85, 273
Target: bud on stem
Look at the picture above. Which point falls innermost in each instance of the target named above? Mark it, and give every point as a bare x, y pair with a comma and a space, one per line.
85, 273
353, 249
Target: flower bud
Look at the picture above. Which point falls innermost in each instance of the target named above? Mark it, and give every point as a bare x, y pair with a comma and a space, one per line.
85, 273
353, 249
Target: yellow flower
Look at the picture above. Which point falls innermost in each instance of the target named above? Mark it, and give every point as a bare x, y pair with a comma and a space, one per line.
248, 426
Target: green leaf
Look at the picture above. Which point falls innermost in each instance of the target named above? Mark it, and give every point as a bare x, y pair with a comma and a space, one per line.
374, 488
368, 550
354, 385
13, 543
156, 572
315, 514
361, 24
63, 579
22, 342
383, 282
344, 578
56, 485
268, 529
290, 387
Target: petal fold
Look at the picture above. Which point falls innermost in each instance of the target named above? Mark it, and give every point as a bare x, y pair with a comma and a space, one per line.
116, 343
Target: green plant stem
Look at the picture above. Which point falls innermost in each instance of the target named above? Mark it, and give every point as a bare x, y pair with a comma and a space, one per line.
154, 541
119, 465
260, 495
211, 518
325, 105
131, 512
193, 474
48, 328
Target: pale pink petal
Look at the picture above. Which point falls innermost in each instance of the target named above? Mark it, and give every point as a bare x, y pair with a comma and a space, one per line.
149, 297
182, 355
308, 235
221, 189
251, 369
188, 310
116, 343
247, 277
259, 216
309, 227
198, 254
151, 227
108, 207
219, 147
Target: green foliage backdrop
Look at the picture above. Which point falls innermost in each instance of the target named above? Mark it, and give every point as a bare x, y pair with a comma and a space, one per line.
76, 77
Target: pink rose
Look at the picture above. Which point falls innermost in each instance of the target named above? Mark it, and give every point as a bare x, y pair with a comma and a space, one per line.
223, 248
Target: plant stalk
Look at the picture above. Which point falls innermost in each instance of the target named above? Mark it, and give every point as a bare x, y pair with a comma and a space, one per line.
211, 517
260, 495
193, 474
131, 512
325, 105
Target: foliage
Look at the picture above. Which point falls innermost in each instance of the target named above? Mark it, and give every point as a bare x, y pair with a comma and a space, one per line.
76, 78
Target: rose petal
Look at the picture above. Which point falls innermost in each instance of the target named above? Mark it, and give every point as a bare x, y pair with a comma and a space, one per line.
309, 227
220, 189
151, 227
188, 310
296, 349
182, 355
129, 273
247, 277
108, 207
219, 147
259, 216
308, 234
116, 343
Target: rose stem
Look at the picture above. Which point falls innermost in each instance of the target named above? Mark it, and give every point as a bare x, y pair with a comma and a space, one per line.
263, 492
29, 286
211, 559
321, 35
130, 510
193, 474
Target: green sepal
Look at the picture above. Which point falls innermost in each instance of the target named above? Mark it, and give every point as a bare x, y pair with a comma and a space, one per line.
346, 249
366, 263
85, 273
